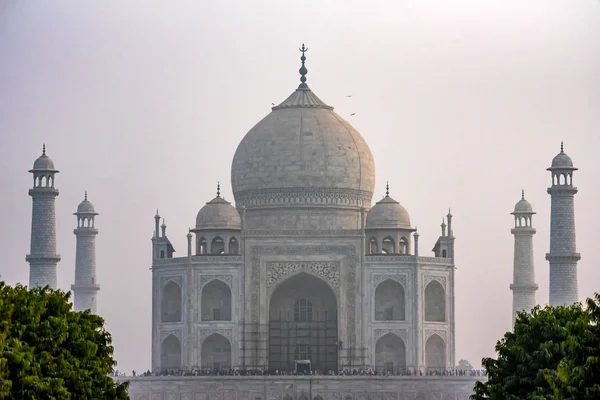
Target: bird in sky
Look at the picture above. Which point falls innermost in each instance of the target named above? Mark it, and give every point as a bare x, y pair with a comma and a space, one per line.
352, 114
349, 95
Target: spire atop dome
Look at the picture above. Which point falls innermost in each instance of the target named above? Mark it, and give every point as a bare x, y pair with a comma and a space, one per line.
522, 194
303, 71
387, 188
562, 149
44, 149
218, 189
85, 195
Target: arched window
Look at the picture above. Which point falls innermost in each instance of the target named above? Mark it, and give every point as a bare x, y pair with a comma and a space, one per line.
390, 301
435, 302
171, 303
373, 246
390, 353
303, 311
387, 246
170, 353
216, 352
403, 246
216, 301
234, 248
435, 353
202, 246
217, 246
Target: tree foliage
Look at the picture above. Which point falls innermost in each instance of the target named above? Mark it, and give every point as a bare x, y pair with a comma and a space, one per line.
552, 353
48, 351
464, 365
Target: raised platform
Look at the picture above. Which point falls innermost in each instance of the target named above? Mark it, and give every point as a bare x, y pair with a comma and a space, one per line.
301, 387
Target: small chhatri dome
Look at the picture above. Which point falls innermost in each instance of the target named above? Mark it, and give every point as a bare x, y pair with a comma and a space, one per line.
562, 160
218, 214
86, 206
523, 206
388, 214
43, 163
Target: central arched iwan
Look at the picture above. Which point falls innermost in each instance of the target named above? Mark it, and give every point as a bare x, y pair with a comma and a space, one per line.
303, 324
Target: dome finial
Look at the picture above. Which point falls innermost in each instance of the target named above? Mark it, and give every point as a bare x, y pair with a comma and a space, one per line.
387, 188
218, 189
561, 147
44, 149
522, 194
86, 196
303, 71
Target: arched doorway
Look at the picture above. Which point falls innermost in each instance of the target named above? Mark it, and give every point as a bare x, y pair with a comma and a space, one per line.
390, 354
216, 352
170, 353
390, 301
435, 353
435, 302
303, 324
216, 301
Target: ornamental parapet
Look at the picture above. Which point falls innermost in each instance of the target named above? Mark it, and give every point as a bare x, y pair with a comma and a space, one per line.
35, 258
198, 259
85, 231
524, 288
89, 288
299, 232
523, 231
564, 190
333, 197
563, 258
41, 192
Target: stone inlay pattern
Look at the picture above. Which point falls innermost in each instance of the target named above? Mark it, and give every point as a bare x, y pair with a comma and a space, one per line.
401, 333
178, 333
227, 279
204, 333
350, 262
440, 332
441, 279
329, 270
166, 279
377, 279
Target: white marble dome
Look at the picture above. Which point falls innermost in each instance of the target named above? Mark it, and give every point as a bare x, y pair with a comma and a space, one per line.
302, 147
523, 206
86, 207
44, 163
388, 214
218, 214
562, 160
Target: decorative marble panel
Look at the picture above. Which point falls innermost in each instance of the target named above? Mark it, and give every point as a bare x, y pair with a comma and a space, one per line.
175, 332
428, 278
204, 333
401, 333
329, 270
377, 279
166, 279
227, 279
440, 332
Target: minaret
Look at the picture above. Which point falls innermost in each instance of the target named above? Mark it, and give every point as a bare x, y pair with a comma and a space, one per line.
523, 285
563, 256
42, 257
85, 289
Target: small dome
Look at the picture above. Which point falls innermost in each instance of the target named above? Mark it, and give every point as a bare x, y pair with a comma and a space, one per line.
218, 214
562, 160
44, 163
388, 214
523, 206
86, 207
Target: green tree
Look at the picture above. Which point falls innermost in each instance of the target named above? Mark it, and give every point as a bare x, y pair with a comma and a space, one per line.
464, 364
549, 355
48, 351
578, 373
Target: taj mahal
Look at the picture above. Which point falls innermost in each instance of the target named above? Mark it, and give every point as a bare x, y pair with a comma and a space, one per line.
303, 271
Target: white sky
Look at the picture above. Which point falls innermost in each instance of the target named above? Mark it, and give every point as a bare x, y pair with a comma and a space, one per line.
143, 103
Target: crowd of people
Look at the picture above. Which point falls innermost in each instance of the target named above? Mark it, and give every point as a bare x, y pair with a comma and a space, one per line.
344, 372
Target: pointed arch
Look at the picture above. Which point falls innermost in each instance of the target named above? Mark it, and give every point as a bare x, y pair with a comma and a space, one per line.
435, 353
216, 352
171, 302
202, 246
390, 354
388, 246
435, 302
403, 247
216, 301
390, 301
373, 248
234, 246
170, 353
217, 246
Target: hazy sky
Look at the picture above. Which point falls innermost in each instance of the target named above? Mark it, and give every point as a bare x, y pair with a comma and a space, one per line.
143, 103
